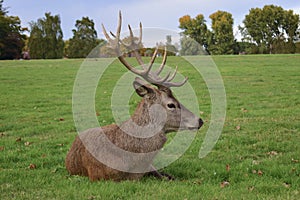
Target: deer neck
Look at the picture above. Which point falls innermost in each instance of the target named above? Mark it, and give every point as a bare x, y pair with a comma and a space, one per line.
141, 124
139, 130
141, 115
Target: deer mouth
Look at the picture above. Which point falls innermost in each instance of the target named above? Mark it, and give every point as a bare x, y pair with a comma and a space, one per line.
192, 128
188, 128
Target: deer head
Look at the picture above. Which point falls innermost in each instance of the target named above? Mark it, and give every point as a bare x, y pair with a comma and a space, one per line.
158, 108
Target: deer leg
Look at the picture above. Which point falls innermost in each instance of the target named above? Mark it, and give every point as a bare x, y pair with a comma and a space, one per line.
160, 175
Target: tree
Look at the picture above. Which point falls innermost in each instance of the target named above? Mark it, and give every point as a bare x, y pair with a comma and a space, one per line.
190, 47
297, 44
11, 37
84, 39
297, 36
171, 49
244, 47
221, 39
46, 38
195, 28
271, 28
3, 11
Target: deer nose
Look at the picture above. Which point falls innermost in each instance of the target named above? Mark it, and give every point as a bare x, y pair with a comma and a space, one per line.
200, 123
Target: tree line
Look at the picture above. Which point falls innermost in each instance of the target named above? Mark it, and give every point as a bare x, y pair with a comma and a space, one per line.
270, 29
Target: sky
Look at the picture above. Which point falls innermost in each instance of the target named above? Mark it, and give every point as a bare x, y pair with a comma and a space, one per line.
163, 14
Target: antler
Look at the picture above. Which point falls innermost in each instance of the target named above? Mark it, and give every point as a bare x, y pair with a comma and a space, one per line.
145, 72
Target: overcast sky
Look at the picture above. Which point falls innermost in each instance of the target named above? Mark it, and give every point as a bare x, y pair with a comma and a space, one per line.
152, 13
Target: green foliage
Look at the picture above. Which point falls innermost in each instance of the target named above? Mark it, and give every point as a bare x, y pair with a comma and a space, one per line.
190, 47
46, 38
218, 41
272, 28
195, 28
11, 37
280, 46
84, 39
244, 48
2, 10
297, 47
257, 156
222, 39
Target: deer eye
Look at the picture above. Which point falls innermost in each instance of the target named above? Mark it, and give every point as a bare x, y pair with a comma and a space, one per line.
171, 106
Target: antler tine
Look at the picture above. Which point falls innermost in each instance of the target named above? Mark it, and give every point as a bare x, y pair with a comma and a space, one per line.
164, 80
173, 75
113, 34
119, 26
170, 84
163, 62
141, 33
131, 34
153, 57
106, 34
130, 67
134, 46
117, 37
139, 42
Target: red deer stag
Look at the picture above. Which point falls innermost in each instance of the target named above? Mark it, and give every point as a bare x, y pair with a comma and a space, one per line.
126, 151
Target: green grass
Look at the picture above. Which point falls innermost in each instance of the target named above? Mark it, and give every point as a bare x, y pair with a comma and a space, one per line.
263, 99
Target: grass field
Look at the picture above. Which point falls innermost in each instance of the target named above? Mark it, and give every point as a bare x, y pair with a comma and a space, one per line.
256, 157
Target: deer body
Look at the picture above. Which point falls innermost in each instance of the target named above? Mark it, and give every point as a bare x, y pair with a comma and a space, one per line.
126, 151
80, 160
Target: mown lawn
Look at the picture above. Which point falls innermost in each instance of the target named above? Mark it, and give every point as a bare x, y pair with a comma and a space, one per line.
256, 157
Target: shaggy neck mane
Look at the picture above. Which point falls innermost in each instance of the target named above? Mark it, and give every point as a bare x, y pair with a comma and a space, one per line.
141, 114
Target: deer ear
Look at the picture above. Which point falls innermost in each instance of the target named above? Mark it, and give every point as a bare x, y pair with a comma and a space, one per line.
141, 88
